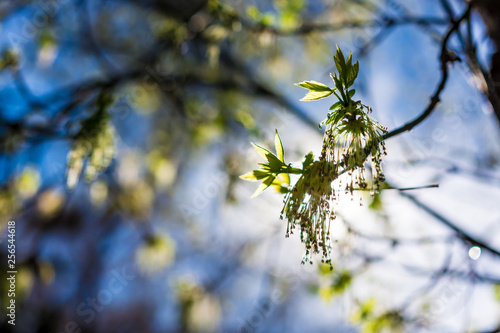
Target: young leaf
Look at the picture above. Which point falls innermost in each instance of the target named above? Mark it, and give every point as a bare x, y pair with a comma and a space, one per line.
316, 91
315, 95
254, 175
262, 151
336, 105
340, 62
275, 164
353, 74
348, 69
278, 184
280, 189
280, 152
262, 187
286, 178
349, 60
352, 92
313, 85
338, 84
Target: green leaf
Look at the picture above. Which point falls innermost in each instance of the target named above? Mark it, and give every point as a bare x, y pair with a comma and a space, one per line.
265, 166
262, 151
348, 70
315, 95
280, 152
353, 74
313, 85
340, 62
285, 178
341, 282
338, 84
278, 184
352, 92
262, 187
317, 90
275, 164
281, 189
336, 105
254, 175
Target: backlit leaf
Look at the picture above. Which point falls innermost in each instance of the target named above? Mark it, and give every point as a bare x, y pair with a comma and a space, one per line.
340, 62
313, 85
317, 90
254, 175
280, 152
262, 187
353, 74
262, 151
275, 164
315, 95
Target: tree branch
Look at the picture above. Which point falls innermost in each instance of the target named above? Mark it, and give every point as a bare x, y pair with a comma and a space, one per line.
444, 59
463, 234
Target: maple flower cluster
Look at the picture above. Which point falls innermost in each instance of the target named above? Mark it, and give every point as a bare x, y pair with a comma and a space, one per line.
351, 136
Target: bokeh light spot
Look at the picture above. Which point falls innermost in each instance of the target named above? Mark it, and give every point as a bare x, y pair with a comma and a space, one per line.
475, 252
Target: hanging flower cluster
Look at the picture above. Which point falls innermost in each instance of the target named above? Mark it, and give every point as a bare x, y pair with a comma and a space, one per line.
351, 135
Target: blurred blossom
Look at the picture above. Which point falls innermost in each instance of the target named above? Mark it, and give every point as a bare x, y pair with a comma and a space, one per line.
8, 205
156, 254
48, 49
205, 314
24, 281
27, 182
137, 199
146, 97
129, 169
162, 169
98, 193
50, 202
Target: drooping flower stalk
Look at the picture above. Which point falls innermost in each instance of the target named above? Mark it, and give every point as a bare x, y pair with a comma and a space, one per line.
348, 141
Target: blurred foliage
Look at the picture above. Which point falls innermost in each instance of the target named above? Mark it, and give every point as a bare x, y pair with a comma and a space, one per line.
94, 141
334, 282
496, 291
12, 195
371, 322
157, 253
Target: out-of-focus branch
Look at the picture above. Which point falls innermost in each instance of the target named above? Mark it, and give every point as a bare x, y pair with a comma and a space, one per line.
445, 58
308, 28
462, 233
